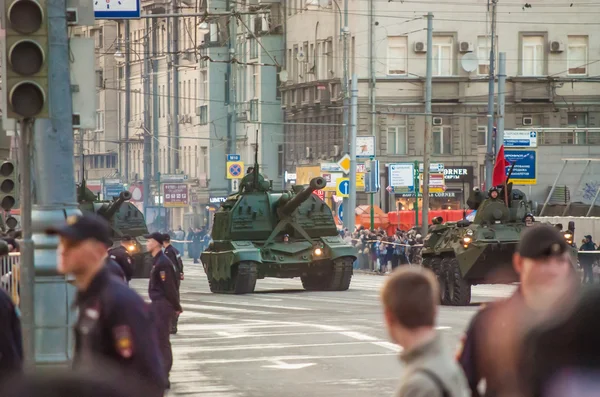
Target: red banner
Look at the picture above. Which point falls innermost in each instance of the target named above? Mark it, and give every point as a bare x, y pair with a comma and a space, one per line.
175, 195
320, 193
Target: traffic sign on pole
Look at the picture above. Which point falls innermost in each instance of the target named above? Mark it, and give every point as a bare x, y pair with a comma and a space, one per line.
235, 169
344, 164
234, 157
343, 187
341, 212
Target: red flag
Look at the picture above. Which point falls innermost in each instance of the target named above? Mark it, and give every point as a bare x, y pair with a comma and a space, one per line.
499, 175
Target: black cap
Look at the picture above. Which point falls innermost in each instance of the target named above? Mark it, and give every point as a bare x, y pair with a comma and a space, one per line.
542, 241
84, 227
159, 237
126, 237
166, 237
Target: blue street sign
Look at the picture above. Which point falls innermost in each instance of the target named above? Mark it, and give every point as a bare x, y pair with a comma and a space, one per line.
524, 139
344, 187
111, 191
341, 212
116, 9
234, 157
525, 161
372, 178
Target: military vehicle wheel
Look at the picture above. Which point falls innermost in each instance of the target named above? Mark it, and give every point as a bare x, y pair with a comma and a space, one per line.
459, 290
243, 280
338, 280
439, 266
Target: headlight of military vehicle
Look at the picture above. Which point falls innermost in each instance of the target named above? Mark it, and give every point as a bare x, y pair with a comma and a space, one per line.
469, 232
318, 251
467, 239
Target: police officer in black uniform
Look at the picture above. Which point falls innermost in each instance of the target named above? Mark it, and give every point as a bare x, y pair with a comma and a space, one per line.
11, 348
162, 290
175, 257
121, 256
114, 327
493, 342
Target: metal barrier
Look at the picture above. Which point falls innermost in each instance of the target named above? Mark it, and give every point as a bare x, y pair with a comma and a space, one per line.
10, 275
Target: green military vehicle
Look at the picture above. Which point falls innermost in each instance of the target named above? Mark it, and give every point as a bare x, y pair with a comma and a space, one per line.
124, 219
477, 251
260, 233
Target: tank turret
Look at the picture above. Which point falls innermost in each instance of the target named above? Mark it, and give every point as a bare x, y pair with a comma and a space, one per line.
108, 210
290, 205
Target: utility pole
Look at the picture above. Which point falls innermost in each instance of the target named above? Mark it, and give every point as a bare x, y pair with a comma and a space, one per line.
170, 118
155, 104
489, 158
348, 144
373, 95
147, 122
55, 193
127, 76
231, 102
175, 60
501, 99
350, 209
82, 165
428, 125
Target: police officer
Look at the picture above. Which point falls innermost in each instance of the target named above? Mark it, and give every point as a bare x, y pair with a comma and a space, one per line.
162, 290
121, 256
114, 327
175, 257
11, 348
492, 344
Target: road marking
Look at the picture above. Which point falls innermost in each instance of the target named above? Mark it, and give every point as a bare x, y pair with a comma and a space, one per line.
278, 364
389, 346
441, 328
287, 358
273, 346
229, 335
358, 335
259, 305
222, 308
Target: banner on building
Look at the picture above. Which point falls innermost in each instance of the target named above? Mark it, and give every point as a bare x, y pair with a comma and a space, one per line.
175, 195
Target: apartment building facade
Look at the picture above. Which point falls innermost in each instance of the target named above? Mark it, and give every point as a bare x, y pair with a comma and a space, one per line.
553, 64
176, 84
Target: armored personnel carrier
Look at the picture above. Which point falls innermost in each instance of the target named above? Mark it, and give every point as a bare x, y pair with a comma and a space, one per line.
260, 233
467, 253
124, 219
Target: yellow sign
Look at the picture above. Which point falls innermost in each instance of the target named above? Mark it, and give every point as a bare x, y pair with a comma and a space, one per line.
342, 188
344, 164
235, 169
360, 180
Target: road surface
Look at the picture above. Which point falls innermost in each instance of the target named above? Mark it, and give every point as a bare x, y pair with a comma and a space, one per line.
284, 341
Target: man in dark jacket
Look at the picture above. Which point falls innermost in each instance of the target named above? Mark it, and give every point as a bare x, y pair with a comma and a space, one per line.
175, 257
11, 348
587, 260
122, 257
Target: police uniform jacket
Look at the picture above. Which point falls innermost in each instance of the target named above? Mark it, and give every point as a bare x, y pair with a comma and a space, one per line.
122, 257
115, 328
163, 282
173, 254
114, 269
11, 349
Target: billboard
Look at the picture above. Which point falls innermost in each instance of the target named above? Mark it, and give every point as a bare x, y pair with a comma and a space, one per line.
175, 195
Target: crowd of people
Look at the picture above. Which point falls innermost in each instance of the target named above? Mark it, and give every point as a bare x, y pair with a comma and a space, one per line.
194, 241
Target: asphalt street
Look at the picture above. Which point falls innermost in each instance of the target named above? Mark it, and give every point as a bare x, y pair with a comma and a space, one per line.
284, 341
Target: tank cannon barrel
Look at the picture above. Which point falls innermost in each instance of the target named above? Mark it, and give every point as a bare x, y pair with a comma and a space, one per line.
113, 207
291, 205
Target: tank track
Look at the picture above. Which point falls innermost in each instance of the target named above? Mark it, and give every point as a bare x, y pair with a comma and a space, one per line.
242, 282
338, 280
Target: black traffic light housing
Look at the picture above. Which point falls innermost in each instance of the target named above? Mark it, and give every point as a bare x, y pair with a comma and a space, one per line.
8, 185
26, 58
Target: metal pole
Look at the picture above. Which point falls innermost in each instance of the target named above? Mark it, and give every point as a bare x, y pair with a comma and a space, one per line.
55, 194
82, 165
428, 124
348, 144
489, 158
27, 265
155, 102
175, 61
147, 123
170, 118
232, 116
350, 210
553, 187
593, 202
127, 100
501, 100
373, 95
416, 187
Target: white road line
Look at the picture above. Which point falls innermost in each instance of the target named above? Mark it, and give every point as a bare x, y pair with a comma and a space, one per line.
190, 349
441, 328
259, 305
230, 326
192, 314
389, 346
229, 335
287, 358
222, 308
358, 336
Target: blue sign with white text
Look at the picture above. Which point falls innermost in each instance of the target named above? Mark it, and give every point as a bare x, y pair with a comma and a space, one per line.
111, 191
234, 157
525, 161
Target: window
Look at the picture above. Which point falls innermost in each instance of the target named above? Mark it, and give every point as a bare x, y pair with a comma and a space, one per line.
280, 164
442, 140
481, 135
442, 55
396, 137
397, 55
483, 54
121, 72
99, 78
204, 159
204, 82
578, 120
254, 110
99, 120
253, 48
577, 55
533, 55
278, 84
329, 50
254, 69
204, 114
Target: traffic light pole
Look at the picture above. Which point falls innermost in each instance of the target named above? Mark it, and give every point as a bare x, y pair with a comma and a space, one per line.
55, 199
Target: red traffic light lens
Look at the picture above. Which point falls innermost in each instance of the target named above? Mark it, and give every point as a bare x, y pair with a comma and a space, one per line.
27, 99
25, 16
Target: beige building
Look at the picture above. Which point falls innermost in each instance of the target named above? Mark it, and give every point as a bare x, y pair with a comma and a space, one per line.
553, 68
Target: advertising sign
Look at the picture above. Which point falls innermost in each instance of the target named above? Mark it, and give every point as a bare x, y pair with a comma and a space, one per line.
175, 194
320, 193
120, 9
402, 177
114, 190
522, 139
525, 172
458, 173
332, 180
437, 183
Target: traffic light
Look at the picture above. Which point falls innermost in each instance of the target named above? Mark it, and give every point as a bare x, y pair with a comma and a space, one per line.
8, 185
26, 58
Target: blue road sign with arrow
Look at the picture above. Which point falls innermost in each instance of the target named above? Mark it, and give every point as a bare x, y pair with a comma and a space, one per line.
341, 212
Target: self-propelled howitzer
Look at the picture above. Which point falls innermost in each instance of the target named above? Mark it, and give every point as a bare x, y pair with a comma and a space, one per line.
260, 233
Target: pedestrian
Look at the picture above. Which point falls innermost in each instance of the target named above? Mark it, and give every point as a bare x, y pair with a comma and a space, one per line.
197, 244
11, 348
491, 348
114, 327
121, 255
410, 298
587, 260
162, 290
175, 257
